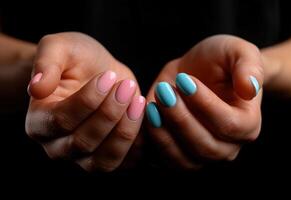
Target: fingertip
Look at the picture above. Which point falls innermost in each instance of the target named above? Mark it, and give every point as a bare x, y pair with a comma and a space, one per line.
186, 84
153, 115
255, 83
42, 85
136, 108
248, 87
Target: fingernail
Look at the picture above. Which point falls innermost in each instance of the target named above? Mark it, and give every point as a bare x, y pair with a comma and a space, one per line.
153, 115
166, 94
34, 80
125, 91
106, 81
185, 84
255, 84
136, 108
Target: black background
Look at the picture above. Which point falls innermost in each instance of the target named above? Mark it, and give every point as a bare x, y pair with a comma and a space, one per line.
145, 35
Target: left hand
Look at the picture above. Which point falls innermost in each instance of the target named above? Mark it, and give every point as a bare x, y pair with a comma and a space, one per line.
209, 114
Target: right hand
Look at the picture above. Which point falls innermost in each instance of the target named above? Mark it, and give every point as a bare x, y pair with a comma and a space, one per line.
85, 105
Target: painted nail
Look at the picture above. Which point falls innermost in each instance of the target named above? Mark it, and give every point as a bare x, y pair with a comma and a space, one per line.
125, 91
136, 108
166, 94
34, 80
185, 84
153, 115
106, 81
255, 84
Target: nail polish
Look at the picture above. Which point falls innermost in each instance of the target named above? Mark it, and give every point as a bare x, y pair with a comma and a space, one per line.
166, 94
125, 91
36, 78
185, 84
255, 84
106, 81
153, 115
136, 108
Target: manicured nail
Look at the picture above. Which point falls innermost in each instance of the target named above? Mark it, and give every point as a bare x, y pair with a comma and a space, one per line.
153, 115
185, 84
106, 81
125, 91
255, 84
136, 108
34, 80
166, 94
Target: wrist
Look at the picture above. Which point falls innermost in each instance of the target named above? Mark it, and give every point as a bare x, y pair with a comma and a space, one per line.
271, 67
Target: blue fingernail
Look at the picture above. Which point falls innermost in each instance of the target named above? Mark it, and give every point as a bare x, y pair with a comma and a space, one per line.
185, 84
153, 115
255, 83
166, 94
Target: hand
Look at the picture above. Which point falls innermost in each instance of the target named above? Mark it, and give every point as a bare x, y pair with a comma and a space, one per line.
209, 113
85, 105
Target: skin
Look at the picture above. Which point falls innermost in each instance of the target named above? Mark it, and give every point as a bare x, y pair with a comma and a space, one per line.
67, 115
214, 122
224, 113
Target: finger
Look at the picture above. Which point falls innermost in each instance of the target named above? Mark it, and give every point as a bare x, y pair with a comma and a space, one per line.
110, 154
89, 135
70, 112
66, 115
246, 69
224, 121
164, 140
48, 67
188, 129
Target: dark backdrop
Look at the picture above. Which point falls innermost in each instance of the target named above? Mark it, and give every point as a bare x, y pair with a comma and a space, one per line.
145, 35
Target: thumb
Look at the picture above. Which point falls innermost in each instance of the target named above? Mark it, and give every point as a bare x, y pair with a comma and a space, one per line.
247, 73
44, 82
47, 70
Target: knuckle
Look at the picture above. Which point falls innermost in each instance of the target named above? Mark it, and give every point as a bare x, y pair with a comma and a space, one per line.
81, 144
211, 152
36, 128
192, 167
62, 122
232, 156
111, 115
106, 165
230, 127
126, 134
87, 101
52, 154
251, 137
165, 143
88, 165
180, 118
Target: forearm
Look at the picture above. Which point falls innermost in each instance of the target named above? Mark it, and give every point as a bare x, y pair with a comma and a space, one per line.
16, 59
277, 68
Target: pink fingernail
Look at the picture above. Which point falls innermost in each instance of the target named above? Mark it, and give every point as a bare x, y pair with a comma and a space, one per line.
36, 78
125, 91
136, 108
106, 81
